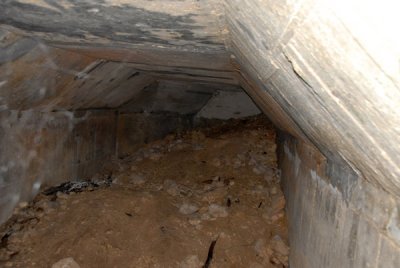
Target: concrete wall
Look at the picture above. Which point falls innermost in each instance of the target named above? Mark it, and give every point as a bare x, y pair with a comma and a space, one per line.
336, 218
47, 148
171, 107
137, 129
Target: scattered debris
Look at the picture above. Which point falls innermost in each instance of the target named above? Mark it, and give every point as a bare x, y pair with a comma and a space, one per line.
77, 186
191, 261
188, 209
66, 263
217, 211
137, 179
162, 207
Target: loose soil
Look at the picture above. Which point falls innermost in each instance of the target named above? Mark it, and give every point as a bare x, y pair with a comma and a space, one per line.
208, 198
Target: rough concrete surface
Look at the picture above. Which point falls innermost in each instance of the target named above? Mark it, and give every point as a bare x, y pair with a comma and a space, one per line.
327, 72
336, 218
39, 149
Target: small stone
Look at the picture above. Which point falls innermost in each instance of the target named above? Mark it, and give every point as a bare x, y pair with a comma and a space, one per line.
48, 206
138, 159
137, 179
217, 211
273, 190
205, 217
61, 195
276, 217
257, 170
155, 156
203, 210
275, 260
23, 204
171, 187
278, 204
66, 263
262, 249
188, 209
194, 222
191, 262
279, 246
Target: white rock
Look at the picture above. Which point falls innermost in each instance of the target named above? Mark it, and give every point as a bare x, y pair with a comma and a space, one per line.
217, 211
205, 217
273, 190
279, 246
171, 187
66, 263
195, 222
191, 262
187, 209
137, 179
23, 204
174, 189
262, 249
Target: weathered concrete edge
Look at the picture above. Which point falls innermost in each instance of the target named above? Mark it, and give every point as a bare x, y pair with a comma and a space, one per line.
326, 204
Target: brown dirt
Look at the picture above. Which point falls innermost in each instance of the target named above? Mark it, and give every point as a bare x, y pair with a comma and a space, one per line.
167, 203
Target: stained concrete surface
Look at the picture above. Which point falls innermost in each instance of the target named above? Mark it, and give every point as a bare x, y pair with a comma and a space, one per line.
334, 214
319, 70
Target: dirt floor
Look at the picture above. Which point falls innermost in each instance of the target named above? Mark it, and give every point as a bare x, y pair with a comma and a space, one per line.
208, 198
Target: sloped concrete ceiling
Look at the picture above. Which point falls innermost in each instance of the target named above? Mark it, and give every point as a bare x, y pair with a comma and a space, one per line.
181, 25
325, 71
333, 66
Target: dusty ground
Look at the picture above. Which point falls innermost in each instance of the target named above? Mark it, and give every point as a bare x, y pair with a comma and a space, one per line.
210, 197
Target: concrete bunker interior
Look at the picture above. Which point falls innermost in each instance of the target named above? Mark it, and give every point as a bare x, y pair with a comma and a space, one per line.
83, 83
